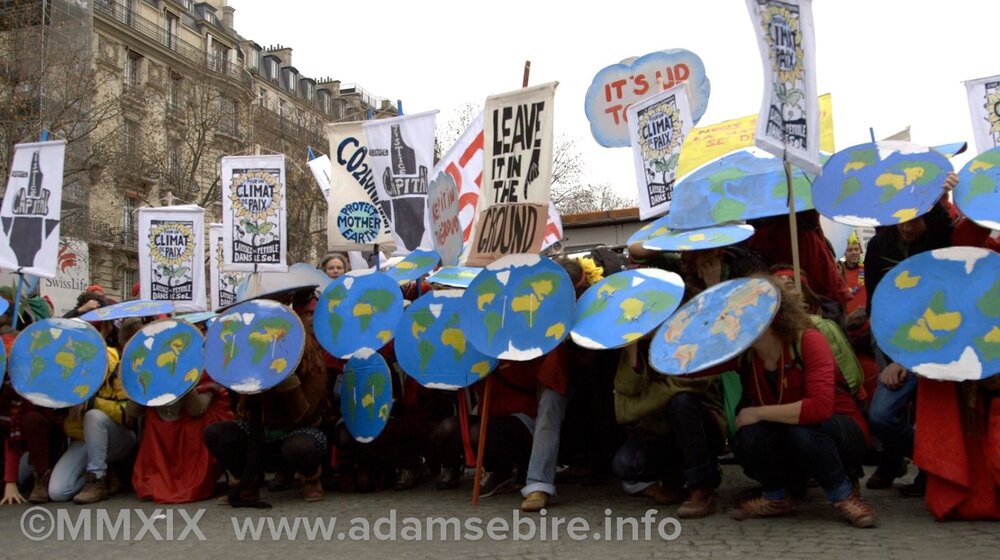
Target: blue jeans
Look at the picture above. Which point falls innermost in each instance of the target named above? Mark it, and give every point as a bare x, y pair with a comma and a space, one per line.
692, 447
889, 418
545, 443
775, 454
104, 440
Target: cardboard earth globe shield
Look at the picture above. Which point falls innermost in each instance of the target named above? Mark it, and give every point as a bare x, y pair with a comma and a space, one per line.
254, 345
699, 239
431, 346
518, 308
882, 183
977, 194
358, 310
366, 395
714, 326
937, 313
58, 363
132, 308
162, 362
625, 307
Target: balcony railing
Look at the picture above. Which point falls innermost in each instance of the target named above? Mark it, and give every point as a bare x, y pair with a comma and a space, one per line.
116, 236
115, 11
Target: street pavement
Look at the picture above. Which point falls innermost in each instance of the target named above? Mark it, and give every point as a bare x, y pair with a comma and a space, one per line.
905, 530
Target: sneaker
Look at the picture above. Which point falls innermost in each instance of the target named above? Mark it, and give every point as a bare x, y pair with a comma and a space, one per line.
40, 492
405, 479
535, 501
916, 489
700, 504
94, 489
449, 478
499, 482
761, 507
662, 495
860, 514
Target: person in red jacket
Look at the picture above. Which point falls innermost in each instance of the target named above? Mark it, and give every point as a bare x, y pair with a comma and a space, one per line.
795, 414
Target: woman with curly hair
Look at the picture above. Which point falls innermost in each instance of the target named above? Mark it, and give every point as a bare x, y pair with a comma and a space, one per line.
794, 414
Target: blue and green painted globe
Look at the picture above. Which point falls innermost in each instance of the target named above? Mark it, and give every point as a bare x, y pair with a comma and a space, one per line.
938, 313
518, 308
880, 183
254, 345
431, 346
358, 310
162, 362
366, 395
978, 192
58, 363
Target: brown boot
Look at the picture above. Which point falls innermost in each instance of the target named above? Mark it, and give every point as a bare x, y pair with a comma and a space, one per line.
94, 489
700, 504
40, 493
114, 483
312, 486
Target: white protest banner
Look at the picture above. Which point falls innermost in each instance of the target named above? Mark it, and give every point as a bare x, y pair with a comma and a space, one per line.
254, 213
788, 124
72, 276
401, 151
356, 220
517, 170
31, 209
320, 168
984, 106
172, 256
223, 284
657, 127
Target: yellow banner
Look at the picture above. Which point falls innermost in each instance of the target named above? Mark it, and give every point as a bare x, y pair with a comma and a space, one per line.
706, 143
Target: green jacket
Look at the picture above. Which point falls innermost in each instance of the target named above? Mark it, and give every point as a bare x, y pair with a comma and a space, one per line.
641, 397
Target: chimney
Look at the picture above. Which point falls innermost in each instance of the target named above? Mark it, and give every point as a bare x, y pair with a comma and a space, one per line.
227, 16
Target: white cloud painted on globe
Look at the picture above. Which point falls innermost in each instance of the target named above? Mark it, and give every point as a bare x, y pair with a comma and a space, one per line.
968, 255
163, 399
40, 399
965, 368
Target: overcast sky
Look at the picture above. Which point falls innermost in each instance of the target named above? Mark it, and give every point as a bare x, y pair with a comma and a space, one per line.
888, 63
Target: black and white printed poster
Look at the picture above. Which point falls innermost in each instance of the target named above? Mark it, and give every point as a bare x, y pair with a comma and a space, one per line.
253, 213
172, 256
31, 209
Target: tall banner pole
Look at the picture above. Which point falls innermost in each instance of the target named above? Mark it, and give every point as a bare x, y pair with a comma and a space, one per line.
484, 407
793, 227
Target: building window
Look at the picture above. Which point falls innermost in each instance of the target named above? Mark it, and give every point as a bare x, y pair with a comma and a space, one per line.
128, 221
133, 65
173, 165
262, 98
253, 59
227, 116
174, 87
130, 140
128, 279
281, 108
300, 117
272, 69
171, 26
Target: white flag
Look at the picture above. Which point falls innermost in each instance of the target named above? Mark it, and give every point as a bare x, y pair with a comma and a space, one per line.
657, 128
31, 209
172, 256
320, 168
984, 105
253, 213
401, 151
788, 125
